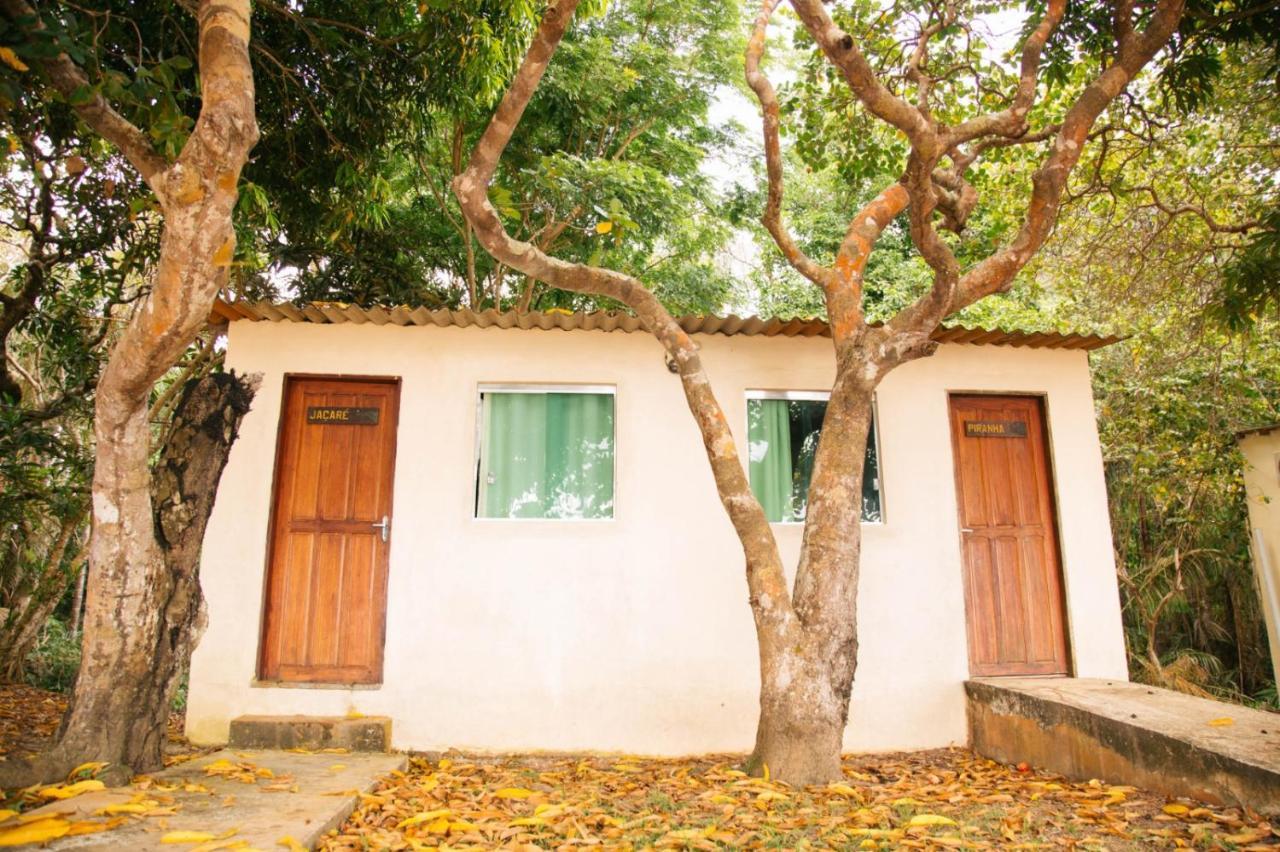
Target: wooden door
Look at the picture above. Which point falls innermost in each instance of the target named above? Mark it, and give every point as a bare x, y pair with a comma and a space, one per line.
325, 609
1012, 576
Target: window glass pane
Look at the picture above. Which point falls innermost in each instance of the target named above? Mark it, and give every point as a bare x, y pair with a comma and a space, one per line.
545, 455
782, 438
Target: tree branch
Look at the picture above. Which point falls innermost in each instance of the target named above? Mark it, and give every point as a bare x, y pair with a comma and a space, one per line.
69, 80
843, 52
772, 218
1199, 212
1013, 120
765, 578
998, 270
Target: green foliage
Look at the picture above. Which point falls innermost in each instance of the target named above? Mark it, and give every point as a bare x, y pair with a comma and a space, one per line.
604, 167
1251, 281
1168, 423
54, 661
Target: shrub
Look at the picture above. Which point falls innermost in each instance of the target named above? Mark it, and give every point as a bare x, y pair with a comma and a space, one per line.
54, 661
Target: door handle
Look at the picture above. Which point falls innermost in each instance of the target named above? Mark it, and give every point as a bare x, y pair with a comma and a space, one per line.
385, 526
966, 529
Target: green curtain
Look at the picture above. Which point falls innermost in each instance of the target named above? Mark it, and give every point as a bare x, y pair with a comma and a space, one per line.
783, 437
769, 440
546, 455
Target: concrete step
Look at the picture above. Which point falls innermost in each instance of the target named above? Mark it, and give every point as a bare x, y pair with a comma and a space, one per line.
1129, 733
366, 733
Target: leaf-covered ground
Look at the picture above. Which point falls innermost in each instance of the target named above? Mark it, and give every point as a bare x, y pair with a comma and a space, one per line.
29, 718
934, 799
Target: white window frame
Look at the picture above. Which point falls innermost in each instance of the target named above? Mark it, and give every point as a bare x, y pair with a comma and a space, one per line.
538, 387
819, 396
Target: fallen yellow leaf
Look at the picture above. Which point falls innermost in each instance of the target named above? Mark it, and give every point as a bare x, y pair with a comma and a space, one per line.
526, 821
513, 793
427, 816
289, 843
36, 831
66, 791
930, 819
1221, 723
1176, 810
93, 768
88, 827
188, 837
127, 808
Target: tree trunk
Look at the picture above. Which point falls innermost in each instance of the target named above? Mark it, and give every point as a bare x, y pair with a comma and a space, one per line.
26, 618
803, 713
1248, 630
183, 485
805, 685
119, 710
77, 600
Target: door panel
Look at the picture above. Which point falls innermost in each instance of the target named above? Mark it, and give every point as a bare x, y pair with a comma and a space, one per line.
1012, 575
325, 610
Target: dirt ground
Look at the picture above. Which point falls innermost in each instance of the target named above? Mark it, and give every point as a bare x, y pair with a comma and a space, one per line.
937, 799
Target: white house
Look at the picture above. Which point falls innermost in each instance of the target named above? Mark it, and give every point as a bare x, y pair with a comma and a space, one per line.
450, 519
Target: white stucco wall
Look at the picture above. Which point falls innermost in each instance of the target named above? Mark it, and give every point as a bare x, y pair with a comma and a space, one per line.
633, 634
1262, 489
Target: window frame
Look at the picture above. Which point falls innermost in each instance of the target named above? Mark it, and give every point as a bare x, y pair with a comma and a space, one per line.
817, 396
543, 388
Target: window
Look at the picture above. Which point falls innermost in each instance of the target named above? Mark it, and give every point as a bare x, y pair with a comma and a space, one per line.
545, 453
782, 438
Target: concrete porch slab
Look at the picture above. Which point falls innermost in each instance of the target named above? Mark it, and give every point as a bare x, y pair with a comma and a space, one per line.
327, 786
1130, 733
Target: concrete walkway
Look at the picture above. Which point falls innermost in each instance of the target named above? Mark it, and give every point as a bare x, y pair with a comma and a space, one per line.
263, 795
1131, 733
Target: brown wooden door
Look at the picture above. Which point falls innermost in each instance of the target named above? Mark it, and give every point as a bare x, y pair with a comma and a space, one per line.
1012, 578
325, 611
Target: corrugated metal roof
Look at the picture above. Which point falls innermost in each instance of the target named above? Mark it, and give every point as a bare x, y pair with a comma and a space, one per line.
337, 312
1258, 430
